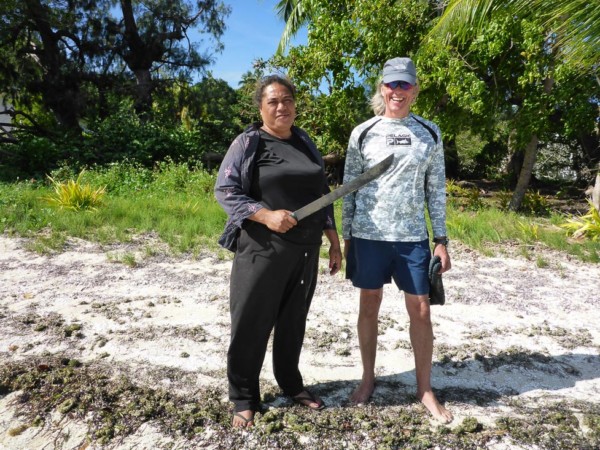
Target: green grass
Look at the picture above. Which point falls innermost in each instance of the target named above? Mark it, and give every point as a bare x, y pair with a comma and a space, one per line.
177, 204
184, 214
487, 229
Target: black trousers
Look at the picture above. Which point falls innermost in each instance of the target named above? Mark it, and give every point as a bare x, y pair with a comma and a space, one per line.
272, 285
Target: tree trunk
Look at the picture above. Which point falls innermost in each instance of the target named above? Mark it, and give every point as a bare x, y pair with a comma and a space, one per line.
139, 56
515, 161
528, 161
143, 90
596, 192
525, 174
60, 86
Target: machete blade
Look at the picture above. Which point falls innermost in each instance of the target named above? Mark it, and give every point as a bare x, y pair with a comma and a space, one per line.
345, 189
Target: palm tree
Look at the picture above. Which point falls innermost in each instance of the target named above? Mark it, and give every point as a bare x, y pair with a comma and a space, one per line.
296, 14
575, 36
575, 23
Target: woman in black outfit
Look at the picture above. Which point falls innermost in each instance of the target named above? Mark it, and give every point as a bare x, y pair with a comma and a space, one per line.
270, 170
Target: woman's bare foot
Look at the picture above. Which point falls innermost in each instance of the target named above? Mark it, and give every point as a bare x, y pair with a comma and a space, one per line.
438, 412
243, 419
363, 393
310, 400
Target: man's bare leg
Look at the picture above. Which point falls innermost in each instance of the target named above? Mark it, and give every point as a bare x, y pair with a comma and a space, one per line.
367, 327
421, 338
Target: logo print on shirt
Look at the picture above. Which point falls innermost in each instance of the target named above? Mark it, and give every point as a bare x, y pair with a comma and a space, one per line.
398, 139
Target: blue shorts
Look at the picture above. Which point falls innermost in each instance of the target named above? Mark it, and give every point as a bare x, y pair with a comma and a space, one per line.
371, 264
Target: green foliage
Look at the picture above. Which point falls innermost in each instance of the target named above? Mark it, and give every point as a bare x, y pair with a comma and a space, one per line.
530, 231
175, 202
463, 197
529, 93
574, 23
586, 226
347, 45
75, 195
479, 157
31, 156
121, 178
82, 114
533, 203
20, 207
166, 178
181, 177
102, 51
123, 135
171, 200
485, 228
331, 118
127, 259
209, 108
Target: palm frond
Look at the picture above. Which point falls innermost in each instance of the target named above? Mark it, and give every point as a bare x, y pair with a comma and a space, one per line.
577, 27
461, 17
284, 8
296, 14
575, 24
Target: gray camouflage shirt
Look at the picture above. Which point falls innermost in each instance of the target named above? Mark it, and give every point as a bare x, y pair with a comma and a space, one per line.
392, 207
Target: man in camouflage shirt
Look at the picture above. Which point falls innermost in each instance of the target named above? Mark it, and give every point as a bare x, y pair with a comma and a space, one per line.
384, 225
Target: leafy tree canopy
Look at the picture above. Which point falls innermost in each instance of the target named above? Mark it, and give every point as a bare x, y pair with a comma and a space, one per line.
509, 81
68, 54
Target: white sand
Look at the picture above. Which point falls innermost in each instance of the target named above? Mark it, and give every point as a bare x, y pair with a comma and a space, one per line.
142, 318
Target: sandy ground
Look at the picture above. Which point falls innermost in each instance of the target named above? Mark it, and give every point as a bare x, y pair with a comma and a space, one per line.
521, 329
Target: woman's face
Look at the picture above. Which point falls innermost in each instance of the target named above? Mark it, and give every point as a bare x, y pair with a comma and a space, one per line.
398, 101
278, 110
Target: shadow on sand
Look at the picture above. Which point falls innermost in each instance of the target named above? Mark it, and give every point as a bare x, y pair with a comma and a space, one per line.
481, 381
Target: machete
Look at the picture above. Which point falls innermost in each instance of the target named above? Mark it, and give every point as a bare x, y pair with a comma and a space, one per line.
345, 189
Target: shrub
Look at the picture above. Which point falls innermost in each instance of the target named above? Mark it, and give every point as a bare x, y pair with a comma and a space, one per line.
121, 177
183, 177
31, 157
533, 203
75, 195
464, 197
587, 225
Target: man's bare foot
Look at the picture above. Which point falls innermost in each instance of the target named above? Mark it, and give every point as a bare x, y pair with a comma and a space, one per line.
438, 412
243, 419
363, 393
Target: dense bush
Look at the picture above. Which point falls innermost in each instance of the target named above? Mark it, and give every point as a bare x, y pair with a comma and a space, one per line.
121, 137
30, 157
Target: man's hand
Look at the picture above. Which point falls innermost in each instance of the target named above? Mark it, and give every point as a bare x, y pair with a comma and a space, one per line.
441, 251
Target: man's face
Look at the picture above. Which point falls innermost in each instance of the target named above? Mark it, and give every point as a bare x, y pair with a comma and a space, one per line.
398, 97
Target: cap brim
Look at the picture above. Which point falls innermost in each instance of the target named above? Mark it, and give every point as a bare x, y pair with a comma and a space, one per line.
400, 77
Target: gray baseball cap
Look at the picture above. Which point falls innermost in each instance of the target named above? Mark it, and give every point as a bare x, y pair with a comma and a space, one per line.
400, 69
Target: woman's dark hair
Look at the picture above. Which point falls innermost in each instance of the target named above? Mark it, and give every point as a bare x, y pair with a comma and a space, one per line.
269, 80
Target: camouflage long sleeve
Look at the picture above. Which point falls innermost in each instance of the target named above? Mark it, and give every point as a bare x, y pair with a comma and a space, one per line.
392, 207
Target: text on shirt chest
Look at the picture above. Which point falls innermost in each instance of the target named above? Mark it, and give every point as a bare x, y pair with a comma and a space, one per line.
398, 139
